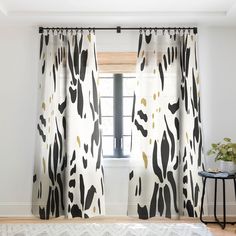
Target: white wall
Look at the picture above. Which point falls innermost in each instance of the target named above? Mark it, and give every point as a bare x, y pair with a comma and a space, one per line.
18, 88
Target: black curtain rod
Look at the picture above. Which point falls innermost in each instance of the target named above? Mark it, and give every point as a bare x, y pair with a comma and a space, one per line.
118, 28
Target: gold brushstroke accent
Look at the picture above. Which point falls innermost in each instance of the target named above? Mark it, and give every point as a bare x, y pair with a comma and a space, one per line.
153, 115
78, 140
154, 96
158, 94
150, 141
157, 110
89, 37
44, 106
143, 53
145, 159
144, 102
44, 166
153, 125
187, 136
197, 79
94, 209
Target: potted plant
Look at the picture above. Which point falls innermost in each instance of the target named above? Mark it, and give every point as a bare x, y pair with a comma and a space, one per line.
225, 152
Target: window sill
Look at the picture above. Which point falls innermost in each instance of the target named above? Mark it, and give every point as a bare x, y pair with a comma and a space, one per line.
116, 162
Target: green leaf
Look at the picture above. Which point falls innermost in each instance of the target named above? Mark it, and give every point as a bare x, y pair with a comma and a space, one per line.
227, 139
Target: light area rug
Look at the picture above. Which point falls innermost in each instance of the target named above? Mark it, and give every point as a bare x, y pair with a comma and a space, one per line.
105, 229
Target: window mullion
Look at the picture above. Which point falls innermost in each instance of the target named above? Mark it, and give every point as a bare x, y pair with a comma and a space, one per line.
118, 114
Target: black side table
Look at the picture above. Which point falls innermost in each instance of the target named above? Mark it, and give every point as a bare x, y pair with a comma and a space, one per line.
205, 175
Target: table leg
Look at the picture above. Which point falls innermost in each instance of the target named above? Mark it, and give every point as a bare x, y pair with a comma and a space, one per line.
215, 198
202, 200
224, 211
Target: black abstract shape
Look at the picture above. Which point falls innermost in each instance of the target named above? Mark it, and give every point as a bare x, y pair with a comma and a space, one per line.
131, 175
164, 153
153, 204
95, 94
133, 109
140, 128
43, 67
34, 178
173, 107
165, 62
50, 172
47, 39
157, 170
72, 183
72, 94
140, 186
89, 197
54, 77
43, 120
55, 156
140, 43
85, 162
196, 194
41, 133
64, 126
62, 106
76, 56
71, 196
172, 139
187, 60
173, 187
73, 158
83, 64
81, 186
95, 135
142, 212
177, 127
142, 64
142, 115
86, 148
41, 45
189, 207
167, 201
73, 170
161, 75
75, 211
148, 38
160, 203
80, 99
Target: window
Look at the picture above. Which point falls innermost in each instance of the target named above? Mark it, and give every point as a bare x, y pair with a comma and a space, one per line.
116, 93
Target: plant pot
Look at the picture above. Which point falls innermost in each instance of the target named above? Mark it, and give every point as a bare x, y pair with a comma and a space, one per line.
228, 166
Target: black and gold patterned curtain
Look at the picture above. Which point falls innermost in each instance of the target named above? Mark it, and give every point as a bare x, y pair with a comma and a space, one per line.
166, 130
68, 178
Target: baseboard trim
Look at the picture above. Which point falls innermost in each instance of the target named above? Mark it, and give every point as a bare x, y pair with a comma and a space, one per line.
23, 209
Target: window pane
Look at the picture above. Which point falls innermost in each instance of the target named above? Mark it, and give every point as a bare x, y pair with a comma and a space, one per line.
107, 125
126, 143
127, 125
106, 87
107, 106
128, 86
107, 146
127, 106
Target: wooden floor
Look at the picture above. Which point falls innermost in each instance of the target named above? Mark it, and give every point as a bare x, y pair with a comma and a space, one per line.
215, 229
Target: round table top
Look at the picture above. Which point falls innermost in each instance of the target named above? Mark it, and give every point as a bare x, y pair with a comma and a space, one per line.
218, 175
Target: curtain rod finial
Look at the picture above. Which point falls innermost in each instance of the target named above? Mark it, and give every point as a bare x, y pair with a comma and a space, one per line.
118, 29
195, 30
40, 29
